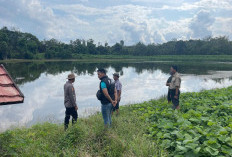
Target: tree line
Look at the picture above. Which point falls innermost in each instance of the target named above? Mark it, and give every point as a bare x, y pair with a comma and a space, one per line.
18, 45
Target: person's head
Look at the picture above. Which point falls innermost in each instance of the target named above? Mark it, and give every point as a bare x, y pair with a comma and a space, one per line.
116, 76
71, 77
173, 69
101, 73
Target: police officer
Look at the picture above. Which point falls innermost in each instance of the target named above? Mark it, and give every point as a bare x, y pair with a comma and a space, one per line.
174, 86
70, 101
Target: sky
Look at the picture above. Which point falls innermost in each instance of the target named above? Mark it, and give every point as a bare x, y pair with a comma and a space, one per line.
147, 21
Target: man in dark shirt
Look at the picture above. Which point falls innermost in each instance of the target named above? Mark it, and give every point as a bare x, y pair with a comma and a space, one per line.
70, 101
107, 95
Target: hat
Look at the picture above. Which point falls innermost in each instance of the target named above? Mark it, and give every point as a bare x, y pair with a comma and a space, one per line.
71, 76
116, 74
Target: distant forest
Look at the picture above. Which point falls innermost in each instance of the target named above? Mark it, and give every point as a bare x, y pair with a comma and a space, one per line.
17, 45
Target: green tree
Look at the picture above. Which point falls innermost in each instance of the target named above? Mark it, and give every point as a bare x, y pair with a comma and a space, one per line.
140, 49
180, 47
3, 50
91, 47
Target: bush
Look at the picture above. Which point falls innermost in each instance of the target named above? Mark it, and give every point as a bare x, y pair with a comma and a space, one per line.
73, 136
28, 55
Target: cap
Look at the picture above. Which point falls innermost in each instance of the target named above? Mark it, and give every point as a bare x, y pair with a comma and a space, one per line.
71, 76
116, 74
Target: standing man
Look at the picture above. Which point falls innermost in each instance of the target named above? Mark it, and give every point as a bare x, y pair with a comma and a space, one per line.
70, 101
118, 87
107, 95
175, 87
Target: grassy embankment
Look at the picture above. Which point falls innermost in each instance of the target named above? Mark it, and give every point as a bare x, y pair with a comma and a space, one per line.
86, 138
203, 127
219, 58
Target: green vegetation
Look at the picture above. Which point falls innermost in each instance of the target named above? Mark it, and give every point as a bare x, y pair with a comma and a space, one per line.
201, 128
120, 58
87, 138
17, 45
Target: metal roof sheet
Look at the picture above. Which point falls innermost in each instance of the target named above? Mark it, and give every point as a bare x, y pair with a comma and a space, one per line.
9, 91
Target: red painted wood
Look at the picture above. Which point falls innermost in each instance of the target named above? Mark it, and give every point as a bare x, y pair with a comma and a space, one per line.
9, 92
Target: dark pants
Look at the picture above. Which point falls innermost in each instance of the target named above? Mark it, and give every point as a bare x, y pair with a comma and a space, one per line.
175, 101
70, 112
169, 96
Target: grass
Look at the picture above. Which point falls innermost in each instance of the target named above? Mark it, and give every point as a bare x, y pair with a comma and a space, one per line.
134, 131
86, 57
222, 58
86, 138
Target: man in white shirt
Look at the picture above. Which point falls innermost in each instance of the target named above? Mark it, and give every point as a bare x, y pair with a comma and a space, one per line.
118, 87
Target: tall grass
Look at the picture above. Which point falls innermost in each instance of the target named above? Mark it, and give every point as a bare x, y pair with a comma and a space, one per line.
86, 138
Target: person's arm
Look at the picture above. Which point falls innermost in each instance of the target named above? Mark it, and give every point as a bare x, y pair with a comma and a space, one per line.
119, 94
105, 92
71, 97
115, 95
168, 81
119, 90
177, 84
177, 91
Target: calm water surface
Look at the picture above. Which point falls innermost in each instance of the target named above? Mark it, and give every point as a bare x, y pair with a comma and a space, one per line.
42, 84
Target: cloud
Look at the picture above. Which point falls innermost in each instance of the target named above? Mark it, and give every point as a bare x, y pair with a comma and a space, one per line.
202, 4
129, 20
136, 31
40, 20
201, 24
222, 26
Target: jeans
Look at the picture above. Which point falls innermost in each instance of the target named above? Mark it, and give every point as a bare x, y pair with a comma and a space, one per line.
106, 110
70, 112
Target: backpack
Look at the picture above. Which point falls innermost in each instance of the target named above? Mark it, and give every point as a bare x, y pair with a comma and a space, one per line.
110, 84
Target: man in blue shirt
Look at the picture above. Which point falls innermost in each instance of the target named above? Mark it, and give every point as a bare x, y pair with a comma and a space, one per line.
107, 95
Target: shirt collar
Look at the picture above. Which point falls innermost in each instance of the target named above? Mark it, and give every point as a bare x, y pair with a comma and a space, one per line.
69, 82
104, 77
175, 74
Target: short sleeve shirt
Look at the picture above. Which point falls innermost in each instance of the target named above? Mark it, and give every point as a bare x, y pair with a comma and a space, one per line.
176, 81
118, 85
103, 85
169, 79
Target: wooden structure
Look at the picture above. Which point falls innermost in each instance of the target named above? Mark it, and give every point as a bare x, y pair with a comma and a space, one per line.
9, 91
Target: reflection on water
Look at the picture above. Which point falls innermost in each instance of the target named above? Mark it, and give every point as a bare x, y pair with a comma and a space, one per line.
42, 85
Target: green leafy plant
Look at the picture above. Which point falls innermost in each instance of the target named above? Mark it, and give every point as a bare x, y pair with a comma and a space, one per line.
203, 126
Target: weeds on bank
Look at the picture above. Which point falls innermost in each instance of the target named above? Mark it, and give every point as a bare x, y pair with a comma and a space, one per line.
86, 138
